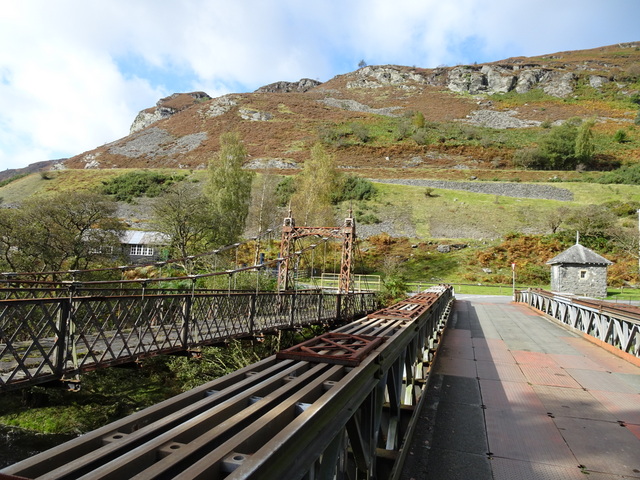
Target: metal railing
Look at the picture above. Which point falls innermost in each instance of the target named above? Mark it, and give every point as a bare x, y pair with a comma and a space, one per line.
613, 324
292, 417
52, 338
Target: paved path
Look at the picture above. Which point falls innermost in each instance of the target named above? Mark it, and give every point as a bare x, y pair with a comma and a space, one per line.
514, 396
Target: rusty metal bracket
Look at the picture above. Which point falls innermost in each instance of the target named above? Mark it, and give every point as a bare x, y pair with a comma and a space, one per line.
333, 348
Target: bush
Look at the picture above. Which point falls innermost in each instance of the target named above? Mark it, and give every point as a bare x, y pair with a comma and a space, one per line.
131, 185
403, 129
531, 158
559, 146
621, 136
284, 191
421, 137
361, 132
623, 209
354, 188
366, 218
627, 175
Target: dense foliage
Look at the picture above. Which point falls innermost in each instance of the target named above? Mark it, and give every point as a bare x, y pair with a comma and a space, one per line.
139, 183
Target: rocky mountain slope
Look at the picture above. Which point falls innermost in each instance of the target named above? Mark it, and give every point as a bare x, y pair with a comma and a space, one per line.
362, 116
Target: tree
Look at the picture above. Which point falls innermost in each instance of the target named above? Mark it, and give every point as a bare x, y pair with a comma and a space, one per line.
264, 211
591, 221
63, 231
229, 189
584, 147
362, 64
559, 146
184, 214
315, 187
556, 218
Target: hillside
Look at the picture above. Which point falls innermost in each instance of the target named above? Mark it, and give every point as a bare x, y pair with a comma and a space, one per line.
475, 117
439, 144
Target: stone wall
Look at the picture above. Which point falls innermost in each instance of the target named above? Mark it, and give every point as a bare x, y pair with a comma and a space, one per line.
586, 280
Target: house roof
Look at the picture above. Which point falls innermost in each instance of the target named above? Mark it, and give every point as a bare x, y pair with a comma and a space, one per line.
580, 255
139, 237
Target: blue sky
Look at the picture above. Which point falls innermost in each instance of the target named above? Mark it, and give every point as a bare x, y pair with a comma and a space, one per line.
74, 73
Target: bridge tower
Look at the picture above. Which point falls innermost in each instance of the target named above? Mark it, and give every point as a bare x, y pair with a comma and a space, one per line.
291, 232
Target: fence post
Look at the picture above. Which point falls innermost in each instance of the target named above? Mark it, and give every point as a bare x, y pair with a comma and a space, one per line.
292, 309
61, 327
252, 312
186, 321
320, 303
338, 307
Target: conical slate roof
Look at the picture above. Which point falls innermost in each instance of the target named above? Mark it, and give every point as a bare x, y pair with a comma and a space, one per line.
580, 255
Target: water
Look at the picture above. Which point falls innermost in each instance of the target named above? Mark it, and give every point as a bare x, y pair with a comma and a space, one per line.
17, 444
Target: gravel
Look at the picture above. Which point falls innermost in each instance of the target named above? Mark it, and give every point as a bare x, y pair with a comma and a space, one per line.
505, 189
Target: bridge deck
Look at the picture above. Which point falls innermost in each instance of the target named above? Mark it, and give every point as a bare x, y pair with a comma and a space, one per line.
514, 396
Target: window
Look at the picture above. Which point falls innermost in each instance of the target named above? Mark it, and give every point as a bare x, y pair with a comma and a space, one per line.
141, 250
583, 274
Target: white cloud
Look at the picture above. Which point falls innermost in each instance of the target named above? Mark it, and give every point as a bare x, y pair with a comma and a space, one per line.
74, 74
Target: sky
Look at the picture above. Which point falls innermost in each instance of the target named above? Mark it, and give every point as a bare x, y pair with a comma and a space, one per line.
75, 73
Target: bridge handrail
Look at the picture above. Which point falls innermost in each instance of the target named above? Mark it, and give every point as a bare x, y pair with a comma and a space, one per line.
53, 338
279, 418
612, 324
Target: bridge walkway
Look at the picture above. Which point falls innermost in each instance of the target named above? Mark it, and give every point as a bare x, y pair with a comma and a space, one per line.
515, 396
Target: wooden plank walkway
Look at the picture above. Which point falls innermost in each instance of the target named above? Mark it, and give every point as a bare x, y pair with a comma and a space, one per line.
515, 396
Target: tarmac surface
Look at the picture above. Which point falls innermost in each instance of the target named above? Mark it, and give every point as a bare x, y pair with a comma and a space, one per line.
515, 396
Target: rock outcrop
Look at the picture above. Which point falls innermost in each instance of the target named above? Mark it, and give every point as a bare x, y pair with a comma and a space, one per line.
491, 79
300, 86
166, 107
385, 75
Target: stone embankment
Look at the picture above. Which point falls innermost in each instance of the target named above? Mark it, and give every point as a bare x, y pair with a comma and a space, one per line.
506, 189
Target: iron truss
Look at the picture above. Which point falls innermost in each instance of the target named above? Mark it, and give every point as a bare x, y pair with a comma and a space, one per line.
608, 323
294, 418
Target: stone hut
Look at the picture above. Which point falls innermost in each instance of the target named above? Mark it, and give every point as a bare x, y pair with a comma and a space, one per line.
579, 271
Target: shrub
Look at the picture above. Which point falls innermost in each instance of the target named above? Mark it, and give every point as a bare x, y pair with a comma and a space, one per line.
403, 129
131, 185
421, 137
621, 136
531, 158
367, 218
559, 146
354, 188
361, 132
284, 190
418, 120
627, 175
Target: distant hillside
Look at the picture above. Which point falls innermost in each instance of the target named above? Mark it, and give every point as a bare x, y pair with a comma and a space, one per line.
390, 121
34, 167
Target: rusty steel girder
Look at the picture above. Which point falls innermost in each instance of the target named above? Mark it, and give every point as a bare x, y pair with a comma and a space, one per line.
334, 347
